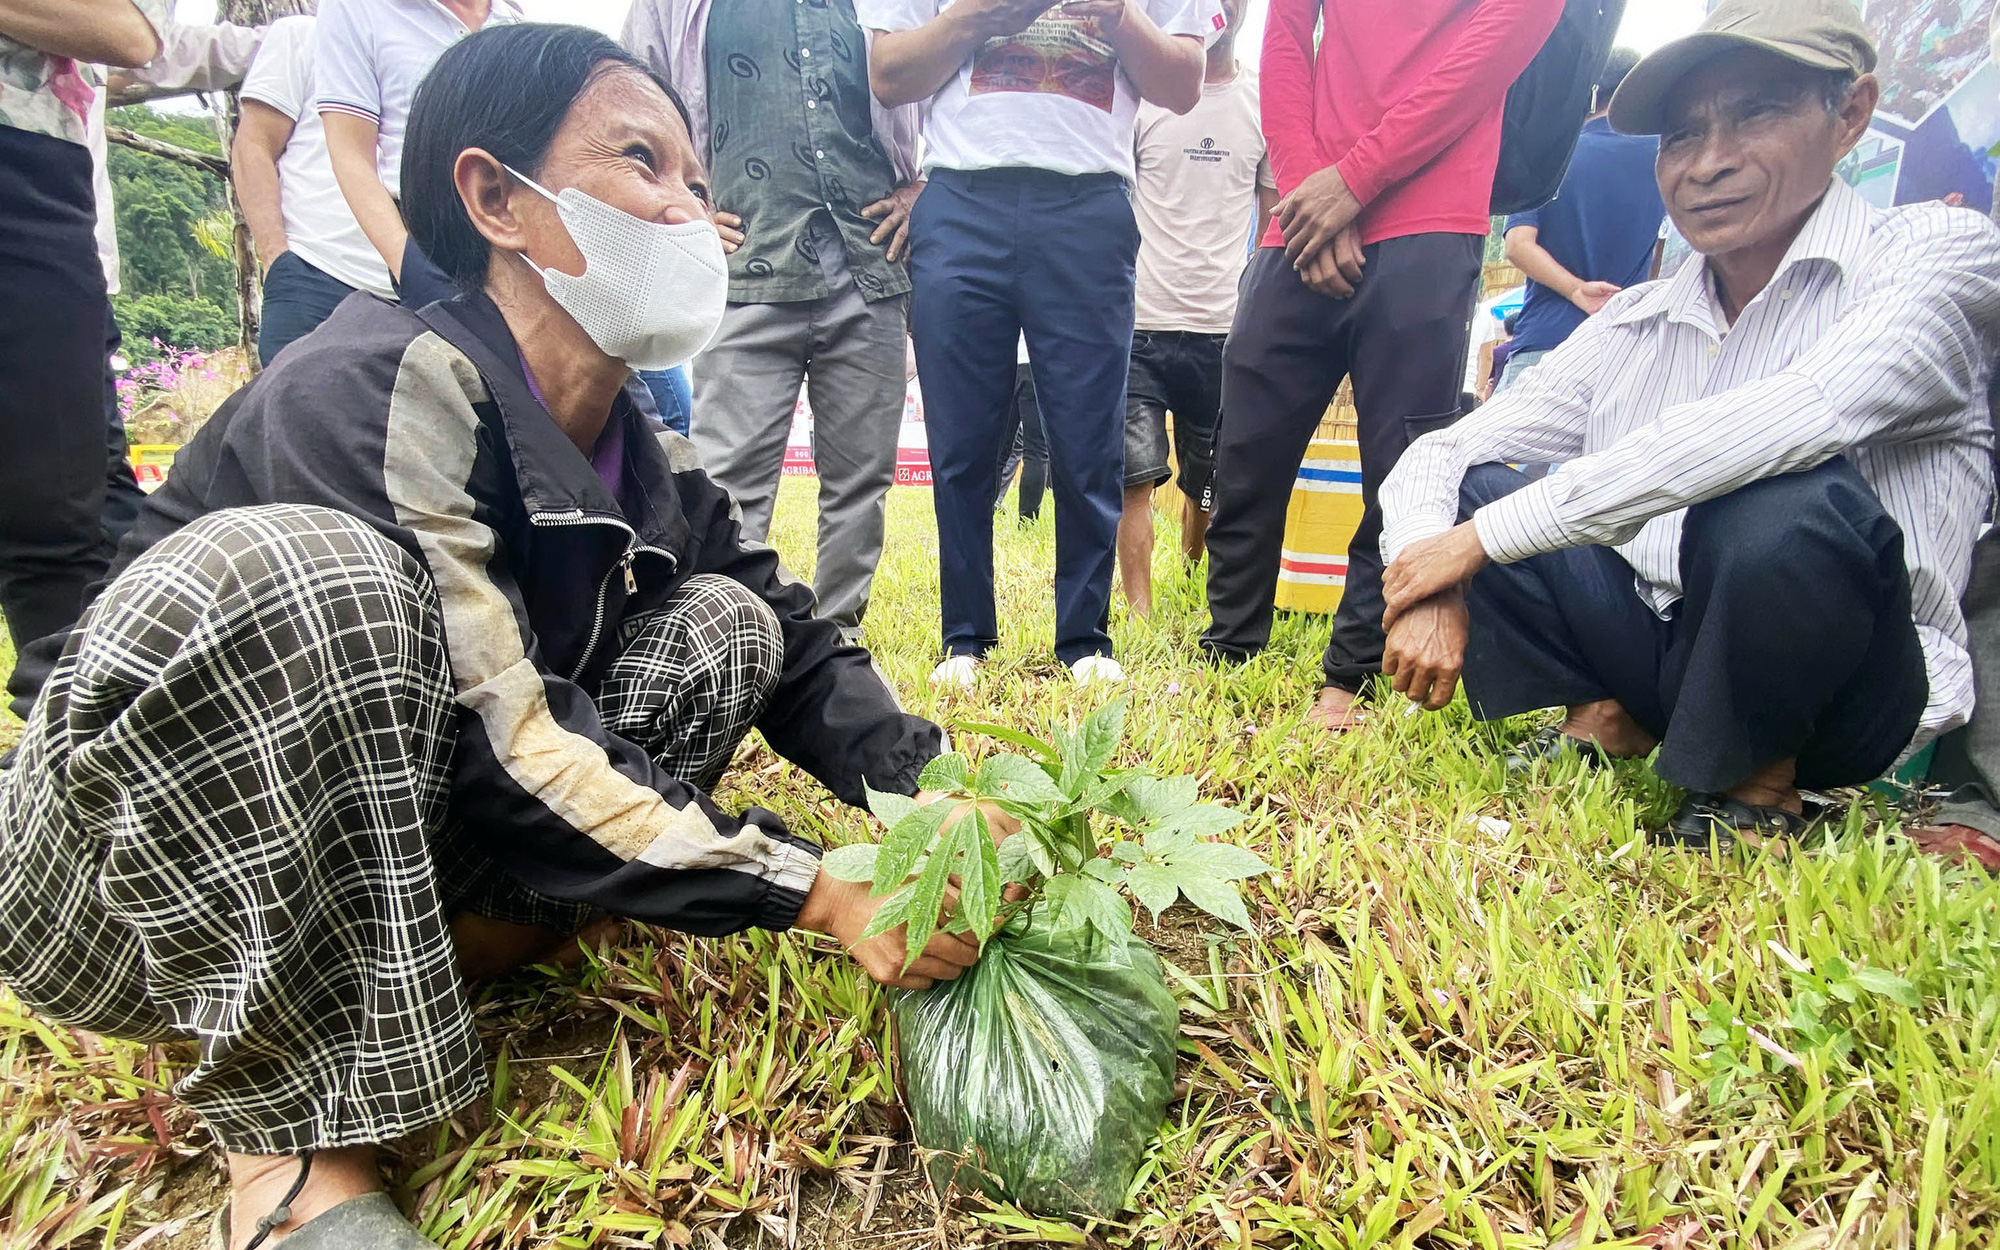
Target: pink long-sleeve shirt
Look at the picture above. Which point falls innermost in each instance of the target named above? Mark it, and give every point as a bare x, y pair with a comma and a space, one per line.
1403, 96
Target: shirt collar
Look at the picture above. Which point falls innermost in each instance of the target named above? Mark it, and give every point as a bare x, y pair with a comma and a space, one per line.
1836, 234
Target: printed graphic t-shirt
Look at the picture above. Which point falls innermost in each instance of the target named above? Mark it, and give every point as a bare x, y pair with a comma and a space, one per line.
1195, 197
1051, 97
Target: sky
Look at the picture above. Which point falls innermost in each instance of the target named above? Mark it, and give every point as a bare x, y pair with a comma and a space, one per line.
1648, 23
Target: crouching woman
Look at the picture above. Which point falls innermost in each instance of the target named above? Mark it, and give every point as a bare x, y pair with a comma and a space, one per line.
426, 655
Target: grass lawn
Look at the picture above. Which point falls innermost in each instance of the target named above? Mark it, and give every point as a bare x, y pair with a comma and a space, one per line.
1471, 1015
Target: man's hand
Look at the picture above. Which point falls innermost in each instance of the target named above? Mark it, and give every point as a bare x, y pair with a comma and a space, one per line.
1592, 296
1335, 272
1430, 568
1315, 213
1425, 651
894, 214
843, 910
730, 227
268, 250
1110, 14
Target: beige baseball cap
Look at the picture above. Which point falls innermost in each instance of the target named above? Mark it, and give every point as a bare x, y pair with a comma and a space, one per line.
1825, 34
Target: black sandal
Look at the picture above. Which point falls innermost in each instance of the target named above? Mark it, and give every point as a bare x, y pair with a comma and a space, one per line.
1550, 744
1717, 819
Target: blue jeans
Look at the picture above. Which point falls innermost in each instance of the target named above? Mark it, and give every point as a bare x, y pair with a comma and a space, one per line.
996, 254
671, 395
297, 297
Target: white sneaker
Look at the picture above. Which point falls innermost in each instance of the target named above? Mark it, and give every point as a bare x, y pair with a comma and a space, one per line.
958, 670
1097, 668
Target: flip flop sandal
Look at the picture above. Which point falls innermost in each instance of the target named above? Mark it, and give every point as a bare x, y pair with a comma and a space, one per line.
370, 1222
1550, 744
1717, 819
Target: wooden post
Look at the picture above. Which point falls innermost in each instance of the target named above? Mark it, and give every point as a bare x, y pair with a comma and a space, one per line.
228, 107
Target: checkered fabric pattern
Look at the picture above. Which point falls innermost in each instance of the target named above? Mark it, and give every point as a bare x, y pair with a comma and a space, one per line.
227, 820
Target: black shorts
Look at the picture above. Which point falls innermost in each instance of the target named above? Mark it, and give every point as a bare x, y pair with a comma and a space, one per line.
1180, 372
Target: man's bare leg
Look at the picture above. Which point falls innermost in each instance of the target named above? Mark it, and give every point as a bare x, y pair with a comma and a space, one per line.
258, 1183
1135, 548
1336, 710
1611, 727
1194, 530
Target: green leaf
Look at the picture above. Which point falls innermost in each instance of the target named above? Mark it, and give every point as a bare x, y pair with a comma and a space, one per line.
1016, 778
1013, 737
928, 900
1888, 985
946, 772
1095, 743
1128, 852
1079, 900
894, 911
1153, 886
1216, 897
1154, 799
851, 863
1100, 792
1109, 871
888, 806
1204, 821
906, 843
978, 874
1017, 859
1224, 861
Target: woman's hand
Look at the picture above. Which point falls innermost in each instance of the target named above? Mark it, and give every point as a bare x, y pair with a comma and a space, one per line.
843, 910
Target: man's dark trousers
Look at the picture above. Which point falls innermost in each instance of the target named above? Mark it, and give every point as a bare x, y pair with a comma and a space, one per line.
52, 353
1793, 638
1402, 337
298, 296
995, 254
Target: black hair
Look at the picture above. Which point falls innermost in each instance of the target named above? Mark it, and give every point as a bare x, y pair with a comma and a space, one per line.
1616, 66
1512, 321
505, 89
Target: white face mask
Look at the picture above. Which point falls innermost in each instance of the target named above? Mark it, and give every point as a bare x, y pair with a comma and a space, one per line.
651, 293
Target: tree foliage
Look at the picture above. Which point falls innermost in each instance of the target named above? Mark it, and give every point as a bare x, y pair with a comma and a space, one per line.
171, 277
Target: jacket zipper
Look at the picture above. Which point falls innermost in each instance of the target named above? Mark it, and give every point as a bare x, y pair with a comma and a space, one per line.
632, 548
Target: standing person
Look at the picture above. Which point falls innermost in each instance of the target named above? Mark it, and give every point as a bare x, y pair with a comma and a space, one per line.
1597, 237
822, 179
55, 313
1204, 189
1027, 228
1384, 137
311, 248
369, 56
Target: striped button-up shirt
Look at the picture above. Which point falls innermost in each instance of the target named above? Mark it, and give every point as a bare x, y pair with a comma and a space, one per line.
1875, 340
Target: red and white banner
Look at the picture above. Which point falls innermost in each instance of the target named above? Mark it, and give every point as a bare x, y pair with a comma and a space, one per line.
913, 456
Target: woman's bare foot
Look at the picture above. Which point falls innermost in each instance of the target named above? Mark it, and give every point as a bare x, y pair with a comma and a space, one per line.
259, 1183
488, 947
1772, 786
1611, 727
1336, 710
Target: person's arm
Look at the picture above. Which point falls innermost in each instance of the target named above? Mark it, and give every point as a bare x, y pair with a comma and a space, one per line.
1165, 69
261, 135
1267, 197
1285, 81
1468, 82
912, 64
1525, 252
350, 146
1900, 365
212, 56
103, 32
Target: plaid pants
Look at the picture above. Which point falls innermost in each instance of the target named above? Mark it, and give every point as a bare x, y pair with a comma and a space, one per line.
228, 820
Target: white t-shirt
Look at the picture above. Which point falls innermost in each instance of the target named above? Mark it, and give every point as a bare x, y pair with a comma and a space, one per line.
1052, 97
1195, 196
319, 226
373, 53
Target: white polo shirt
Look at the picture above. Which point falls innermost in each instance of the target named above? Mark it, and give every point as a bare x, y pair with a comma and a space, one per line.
373, 53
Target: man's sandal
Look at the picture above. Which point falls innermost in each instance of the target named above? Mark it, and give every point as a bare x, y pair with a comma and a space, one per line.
1550, 744
370, 1222
1716, 819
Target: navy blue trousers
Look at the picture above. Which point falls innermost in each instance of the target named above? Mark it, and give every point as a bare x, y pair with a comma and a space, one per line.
1793, 638
996, 254
298, 295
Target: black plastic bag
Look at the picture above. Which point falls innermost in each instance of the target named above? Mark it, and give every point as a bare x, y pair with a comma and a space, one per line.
1041, 1075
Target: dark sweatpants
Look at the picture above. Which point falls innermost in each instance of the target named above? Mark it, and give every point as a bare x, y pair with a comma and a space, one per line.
994, 254
1793, 638
1403, 338
53, 314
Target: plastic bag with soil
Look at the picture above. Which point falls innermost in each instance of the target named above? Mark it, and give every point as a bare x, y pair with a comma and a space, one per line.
1041, 1074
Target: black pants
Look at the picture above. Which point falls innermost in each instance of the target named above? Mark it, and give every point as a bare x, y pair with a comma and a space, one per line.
1179, 372
1028, 447
1403, 338
1793, 638
53, 314
122, 496
297, 297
